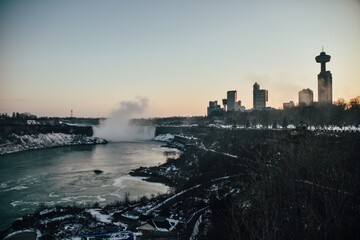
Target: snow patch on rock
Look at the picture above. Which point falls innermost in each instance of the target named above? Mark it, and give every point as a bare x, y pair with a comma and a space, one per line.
164, 137
39, 141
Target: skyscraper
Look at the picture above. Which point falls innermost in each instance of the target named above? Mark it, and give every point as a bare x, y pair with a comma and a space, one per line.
231, 99
324, 80
213, 108
287, 105
306, 97
224, 101
260, 97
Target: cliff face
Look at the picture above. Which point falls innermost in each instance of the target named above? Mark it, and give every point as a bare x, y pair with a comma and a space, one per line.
15, 137
28, 129
15, 143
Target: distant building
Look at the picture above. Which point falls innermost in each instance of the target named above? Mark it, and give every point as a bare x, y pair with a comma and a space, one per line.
224, 101
238, 107
260, 97
213, 108
287, 105
231, 99
324, 80
306, 97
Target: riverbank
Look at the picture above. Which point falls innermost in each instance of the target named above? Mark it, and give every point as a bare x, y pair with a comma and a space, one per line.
15, 143
231, 183
16, 135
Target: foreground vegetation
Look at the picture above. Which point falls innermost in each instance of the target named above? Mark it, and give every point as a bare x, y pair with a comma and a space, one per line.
237, 184
289, 184
300, 187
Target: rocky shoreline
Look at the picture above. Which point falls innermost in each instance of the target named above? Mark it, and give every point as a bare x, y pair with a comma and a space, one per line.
225, 184
15, 143
31, 135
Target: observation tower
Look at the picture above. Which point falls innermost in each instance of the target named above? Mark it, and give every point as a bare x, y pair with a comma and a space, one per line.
324, 79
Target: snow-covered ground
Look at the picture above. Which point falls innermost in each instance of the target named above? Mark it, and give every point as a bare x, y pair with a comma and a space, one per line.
291, 126
38, 141
164, 137
96, 213
38, 233
195, 231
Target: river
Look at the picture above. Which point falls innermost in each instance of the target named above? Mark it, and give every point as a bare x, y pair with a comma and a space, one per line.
66, 176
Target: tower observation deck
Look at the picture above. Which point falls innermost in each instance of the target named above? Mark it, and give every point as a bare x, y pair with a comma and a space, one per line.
323, 58
324, 80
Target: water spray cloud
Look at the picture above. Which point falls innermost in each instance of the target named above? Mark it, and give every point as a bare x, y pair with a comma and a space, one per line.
117, 127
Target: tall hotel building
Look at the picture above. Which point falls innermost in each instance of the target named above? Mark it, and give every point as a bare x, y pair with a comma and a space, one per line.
306, 97
231, 99
260, 97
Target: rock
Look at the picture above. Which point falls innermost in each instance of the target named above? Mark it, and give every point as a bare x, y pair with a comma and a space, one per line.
98, 171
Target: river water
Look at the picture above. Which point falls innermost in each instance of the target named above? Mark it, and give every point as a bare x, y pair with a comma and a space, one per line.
66, 176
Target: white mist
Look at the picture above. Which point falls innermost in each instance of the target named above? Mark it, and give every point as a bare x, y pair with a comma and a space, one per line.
117, 127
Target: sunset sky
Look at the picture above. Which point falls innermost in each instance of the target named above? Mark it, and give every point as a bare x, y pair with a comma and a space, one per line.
91, 55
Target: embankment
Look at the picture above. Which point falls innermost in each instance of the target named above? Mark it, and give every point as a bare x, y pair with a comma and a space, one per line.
21, 137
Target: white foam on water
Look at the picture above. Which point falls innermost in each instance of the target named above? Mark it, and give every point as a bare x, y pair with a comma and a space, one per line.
17, 188
119, 182
16, 203
101, 199
21, 202
115, 194
52, 194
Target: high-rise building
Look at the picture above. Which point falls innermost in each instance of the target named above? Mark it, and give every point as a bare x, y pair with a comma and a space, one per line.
287, 105
238, 107
306, 97
231, 99
324, 80
260, 97
224, 101
213, 107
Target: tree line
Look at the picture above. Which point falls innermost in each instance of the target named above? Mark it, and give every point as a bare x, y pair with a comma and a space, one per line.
340, 113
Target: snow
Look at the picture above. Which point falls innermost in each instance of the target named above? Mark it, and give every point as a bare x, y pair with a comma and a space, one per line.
56, 219
32, 122
172, 223
187, 137
196, 228
225, 154
292, 126
46, 211
196, 213
174, 196
246, 205
164, 137
104, 218
38, 233
38, 141
99, 216
133, 217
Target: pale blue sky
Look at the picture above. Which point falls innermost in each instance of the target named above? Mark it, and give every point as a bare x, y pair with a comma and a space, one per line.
90, 55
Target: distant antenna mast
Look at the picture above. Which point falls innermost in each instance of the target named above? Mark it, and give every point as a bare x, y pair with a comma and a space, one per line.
323, 48
71, 113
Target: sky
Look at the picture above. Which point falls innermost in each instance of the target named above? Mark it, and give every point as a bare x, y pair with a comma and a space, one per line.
88, 56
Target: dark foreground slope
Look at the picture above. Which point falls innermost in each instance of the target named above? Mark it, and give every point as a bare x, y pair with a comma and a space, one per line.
288, 184
235, 184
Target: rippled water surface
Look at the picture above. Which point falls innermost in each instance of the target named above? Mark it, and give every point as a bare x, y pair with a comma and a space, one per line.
66, 176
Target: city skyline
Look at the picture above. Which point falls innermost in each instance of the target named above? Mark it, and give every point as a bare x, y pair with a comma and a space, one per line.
90, 56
